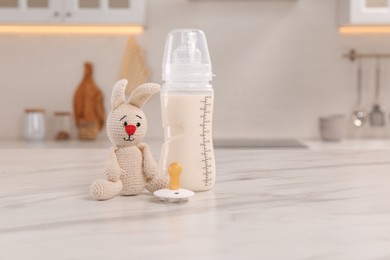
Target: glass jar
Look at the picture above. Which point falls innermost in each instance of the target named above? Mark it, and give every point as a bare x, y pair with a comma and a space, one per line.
34, 124
62, 125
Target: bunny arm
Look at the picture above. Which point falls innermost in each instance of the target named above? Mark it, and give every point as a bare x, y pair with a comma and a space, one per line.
112, 170
149, 164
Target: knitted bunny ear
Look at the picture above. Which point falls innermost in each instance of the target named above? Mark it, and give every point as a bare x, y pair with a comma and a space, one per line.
118, 94
142, 94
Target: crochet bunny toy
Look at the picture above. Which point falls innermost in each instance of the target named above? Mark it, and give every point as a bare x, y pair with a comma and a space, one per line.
130, 166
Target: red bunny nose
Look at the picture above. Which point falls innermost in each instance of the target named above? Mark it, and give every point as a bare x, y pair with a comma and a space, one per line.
130, 129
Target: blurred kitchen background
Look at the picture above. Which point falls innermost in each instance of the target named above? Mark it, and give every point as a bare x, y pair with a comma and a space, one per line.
279, 64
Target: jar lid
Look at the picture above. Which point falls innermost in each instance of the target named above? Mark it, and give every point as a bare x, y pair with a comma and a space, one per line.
34, 110
62, 113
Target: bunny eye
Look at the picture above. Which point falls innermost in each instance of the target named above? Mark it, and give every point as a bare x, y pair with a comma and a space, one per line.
138, 124
125, 123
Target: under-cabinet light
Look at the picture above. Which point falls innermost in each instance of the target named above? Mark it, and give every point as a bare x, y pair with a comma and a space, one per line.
69, 29
364, 29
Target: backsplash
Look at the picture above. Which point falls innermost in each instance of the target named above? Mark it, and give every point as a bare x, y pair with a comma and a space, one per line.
278, 66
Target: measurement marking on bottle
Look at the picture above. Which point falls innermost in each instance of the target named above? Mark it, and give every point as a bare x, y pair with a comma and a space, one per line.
205, 139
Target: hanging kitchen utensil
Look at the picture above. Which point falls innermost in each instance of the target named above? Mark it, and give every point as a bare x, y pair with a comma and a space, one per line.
377, 116
134, 68
359, 116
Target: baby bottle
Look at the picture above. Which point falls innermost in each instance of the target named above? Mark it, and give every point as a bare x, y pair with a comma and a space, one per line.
187, 109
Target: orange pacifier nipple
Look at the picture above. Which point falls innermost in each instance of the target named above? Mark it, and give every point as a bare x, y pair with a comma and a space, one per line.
174, 193
174, 171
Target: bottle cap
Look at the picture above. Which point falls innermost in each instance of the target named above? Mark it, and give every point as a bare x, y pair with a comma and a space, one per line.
186, 57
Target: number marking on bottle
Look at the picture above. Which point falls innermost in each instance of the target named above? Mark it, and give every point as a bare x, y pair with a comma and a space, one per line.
205, 140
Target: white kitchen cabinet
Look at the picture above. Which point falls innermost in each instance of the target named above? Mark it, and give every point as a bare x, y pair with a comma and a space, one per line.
104, 11
364, 12
72, 11
30, 11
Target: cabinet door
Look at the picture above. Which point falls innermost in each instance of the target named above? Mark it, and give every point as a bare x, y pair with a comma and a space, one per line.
370, 11
30, 11
104, 11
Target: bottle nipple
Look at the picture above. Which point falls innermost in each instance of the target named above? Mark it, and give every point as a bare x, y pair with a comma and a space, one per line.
186, 57
187, 52
174, 171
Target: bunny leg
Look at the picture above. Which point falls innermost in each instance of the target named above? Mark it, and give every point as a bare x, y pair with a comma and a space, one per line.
158, 182
104, 189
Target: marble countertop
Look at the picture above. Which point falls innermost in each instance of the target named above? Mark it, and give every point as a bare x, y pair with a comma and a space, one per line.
279, 204
312, 144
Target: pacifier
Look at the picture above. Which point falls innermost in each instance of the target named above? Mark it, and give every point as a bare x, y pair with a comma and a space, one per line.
174, 193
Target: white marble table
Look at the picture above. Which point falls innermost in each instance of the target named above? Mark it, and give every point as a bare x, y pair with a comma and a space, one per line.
295, 204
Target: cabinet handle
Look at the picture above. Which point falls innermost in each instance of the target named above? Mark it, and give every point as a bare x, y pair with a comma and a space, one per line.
56, 14
68, 14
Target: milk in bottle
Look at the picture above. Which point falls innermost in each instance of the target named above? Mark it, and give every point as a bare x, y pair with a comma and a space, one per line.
187, 109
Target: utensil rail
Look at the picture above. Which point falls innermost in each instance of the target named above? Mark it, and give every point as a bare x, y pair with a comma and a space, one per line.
353, 55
